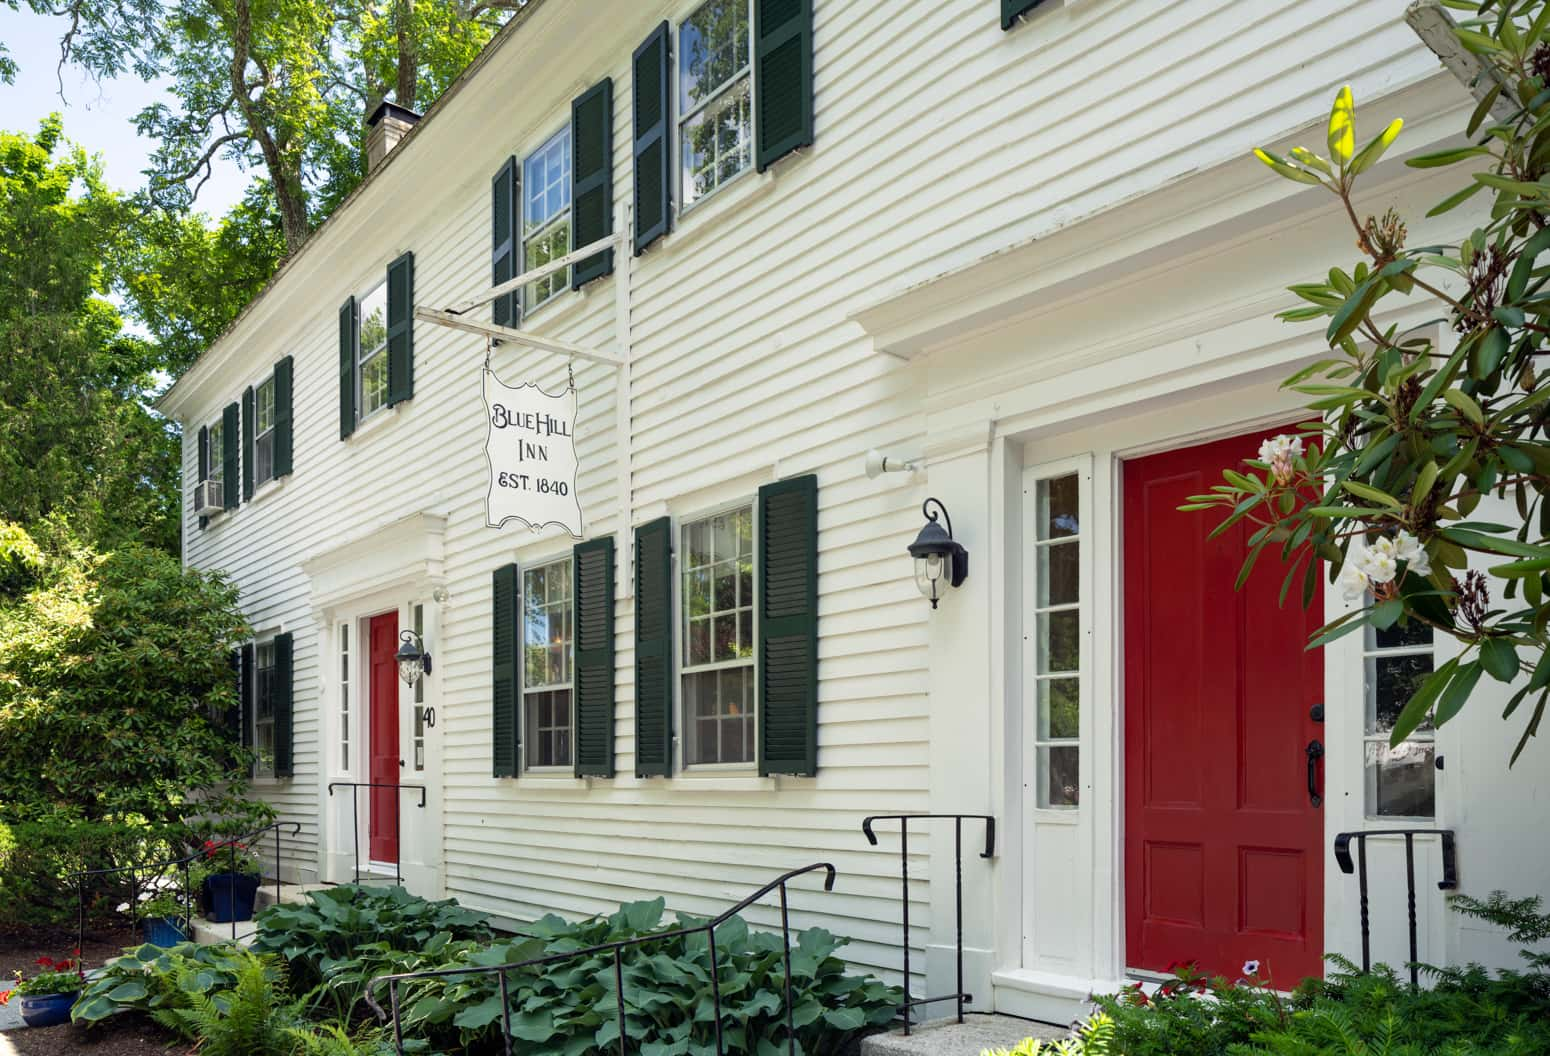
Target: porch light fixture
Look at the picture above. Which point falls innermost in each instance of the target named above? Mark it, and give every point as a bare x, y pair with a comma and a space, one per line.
940, 561
413, 661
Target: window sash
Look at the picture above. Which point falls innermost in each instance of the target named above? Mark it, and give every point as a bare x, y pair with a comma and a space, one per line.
538, 230
1375, 739
681, 69
344, 698
215, 459
694, 677
709, 107
536, 252
371, 394
542, 747
263, 718
1055, 733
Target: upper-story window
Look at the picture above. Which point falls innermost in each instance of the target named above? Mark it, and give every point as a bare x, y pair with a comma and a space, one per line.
264, 431
216, 457
263, 711
546, 215
715, 97
718, 636
548, 662
372, 364
1401, 780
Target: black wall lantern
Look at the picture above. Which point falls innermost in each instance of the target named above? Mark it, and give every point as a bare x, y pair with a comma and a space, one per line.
413, 661
940, 561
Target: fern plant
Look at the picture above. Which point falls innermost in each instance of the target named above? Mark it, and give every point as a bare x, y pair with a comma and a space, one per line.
251, 1019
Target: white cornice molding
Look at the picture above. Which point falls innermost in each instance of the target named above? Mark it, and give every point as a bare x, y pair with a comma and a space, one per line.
408, 553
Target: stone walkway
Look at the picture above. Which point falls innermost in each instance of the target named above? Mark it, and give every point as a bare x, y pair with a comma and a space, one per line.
948, 1037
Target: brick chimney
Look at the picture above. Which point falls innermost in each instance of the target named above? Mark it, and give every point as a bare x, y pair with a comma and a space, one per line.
387, 124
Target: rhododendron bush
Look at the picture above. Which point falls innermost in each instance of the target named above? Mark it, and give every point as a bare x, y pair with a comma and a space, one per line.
1386, 487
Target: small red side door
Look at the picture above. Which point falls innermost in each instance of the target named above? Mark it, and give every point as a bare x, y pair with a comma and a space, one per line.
384, 737
1224, 858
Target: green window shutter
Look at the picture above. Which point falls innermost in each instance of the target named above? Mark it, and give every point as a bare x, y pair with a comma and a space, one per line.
204, 463
349, 329
592, 566
283, 375
782, 77
591, 178
654, 648
247, 443
788, 627
242, 717
280, 696
505, 208
400, 329
1012, 10
505, 732
229, 440
653, 158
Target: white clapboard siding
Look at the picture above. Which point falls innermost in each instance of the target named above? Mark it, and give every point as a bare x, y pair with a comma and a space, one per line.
940, 141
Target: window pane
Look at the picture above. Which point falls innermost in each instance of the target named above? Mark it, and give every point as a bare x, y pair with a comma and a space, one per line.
1397, 637
1057, 508
1059, 708
263, 400
373, 321
1059, 776
712, 48
719, 712
374, 384
725, 637
1391, 681
1401, 781
716, 143
699, 641
1058, 638
1059, 574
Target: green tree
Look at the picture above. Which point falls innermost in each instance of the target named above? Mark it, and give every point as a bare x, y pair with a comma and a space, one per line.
76, 438
1386, 484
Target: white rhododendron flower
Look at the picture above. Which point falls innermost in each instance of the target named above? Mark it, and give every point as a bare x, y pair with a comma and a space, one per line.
1377, 560
1377, 563
1281, 453
1408, 549
1353, 582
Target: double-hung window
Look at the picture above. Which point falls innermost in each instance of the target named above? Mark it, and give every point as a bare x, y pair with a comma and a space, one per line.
263, 431
263, 710
216, 457
715, 97
372, 362
718, 635
546, 216
548, 663
1057, 674
1401, 781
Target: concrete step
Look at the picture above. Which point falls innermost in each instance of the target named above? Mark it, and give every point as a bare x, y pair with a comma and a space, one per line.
948, 1037
207, 932
290, 894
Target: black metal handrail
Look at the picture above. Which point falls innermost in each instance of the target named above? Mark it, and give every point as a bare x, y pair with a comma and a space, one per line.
961, 998
1448, 882
134, 870
355, 821
617, 949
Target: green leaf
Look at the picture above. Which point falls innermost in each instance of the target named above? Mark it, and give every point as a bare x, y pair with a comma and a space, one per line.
1500, 658
1420, 704
1456, 199
1439, 158
1281, 166
1374, 150
1342, 127
1372, 494
1457, 694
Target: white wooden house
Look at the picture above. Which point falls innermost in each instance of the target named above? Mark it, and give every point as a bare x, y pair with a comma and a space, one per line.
1020, 246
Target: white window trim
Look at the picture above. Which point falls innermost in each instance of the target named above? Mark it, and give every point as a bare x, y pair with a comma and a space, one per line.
259, 436
550, 768
1370, 652
1081, 467
251, 720
685, 768
554, 221
362, 357
681, 205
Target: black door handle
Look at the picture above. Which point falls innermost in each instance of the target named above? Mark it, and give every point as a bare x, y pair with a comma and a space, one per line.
1315, 751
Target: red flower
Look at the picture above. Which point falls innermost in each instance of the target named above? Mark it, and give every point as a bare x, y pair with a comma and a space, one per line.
46, 962
5, 996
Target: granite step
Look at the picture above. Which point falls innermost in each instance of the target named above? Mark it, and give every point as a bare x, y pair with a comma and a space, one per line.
948, 1037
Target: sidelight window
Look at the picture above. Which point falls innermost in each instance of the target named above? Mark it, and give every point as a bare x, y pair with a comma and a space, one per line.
1401, 780
1057, 646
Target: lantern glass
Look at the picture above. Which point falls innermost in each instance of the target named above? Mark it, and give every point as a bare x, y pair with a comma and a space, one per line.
409, 671
929, 572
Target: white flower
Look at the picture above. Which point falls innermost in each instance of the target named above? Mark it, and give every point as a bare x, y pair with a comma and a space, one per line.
1353, 582
1281, 453
1409, 550
1378, 563
1250, 968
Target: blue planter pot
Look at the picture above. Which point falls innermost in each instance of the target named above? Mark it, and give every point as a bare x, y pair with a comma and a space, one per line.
163, 931
230, 896
47, 1010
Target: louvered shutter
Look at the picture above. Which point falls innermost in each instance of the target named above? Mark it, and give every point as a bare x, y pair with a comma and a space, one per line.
506, 620
654, 648
247, 443
204, 464
1011, 10
505, 234
349, 329
591, 178
242, 715
281, 696
653, 158
400, 329
593, 590
783, 77
283, 376
230, 485
788, 627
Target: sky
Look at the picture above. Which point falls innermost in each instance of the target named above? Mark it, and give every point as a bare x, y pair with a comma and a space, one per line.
98, 116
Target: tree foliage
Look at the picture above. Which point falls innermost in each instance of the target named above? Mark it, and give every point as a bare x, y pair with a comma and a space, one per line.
76, 438
1411, 437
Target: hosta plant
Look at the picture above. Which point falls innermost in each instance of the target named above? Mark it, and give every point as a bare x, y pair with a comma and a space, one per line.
1408, 437
150, 979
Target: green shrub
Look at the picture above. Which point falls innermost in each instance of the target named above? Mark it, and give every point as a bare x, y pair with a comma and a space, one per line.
151, 979
252, 1018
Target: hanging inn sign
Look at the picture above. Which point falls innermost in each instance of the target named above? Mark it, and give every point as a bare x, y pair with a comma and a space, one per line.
531, 446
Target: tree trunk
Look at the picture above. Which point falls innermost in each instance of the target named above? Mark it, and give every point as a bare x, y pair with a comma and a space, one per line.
408, 55
284, 173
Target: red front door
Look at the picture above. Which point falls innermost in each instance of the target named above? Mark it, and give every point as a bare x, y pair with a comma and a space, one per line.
384, 737
1223, 846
